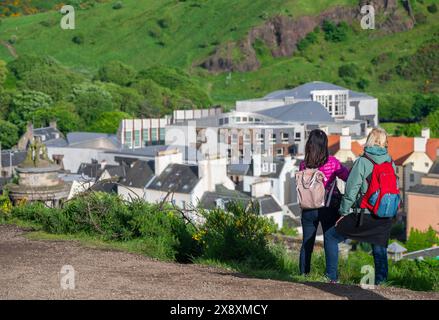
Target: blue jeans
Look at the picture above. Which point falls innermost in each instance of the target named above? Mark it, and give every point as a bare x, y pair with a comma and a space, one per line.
310, 222
331, 252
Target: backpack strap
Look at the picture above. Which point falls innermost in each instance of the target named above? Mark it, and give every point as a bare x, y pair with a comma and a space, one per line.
368, 158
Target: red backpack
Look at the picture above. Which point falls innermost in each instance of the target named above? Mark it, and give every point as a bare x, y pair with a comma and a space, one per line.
382, 197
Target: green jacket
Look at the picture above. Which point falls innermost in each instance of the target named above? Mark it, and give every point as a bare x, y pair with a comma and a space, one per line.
356, 185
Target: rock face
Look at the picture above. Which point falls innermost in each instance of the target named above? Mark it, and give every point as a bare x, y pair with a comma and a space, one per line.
281, 34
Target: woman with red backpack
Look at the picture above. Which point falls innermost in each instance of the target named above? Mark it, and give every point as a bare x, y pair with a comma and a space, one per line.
319, 198
370, 202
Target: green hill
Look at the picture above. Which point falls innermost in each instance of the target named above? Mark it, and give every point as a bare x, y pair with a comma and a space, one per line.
393, 62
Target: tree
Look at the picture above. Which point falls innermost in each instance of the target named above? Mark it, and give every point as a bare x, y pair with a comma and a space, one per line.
109, 122
419, 240
424, 105
91, 100
125, 99
350, 70
8, 134
26, 63
23, 104
3, 72
335, 33
63, 112
117, 72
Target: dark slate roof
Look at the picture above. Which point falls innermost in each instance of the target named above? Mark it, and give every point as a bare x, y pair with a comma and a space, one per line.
179, 178
107, 187
268, 205
116, 171
151, 151
304, 91
306, 111
239, 169
139, 174
425, 189
295, 209
208, 201
17, 158
48, 133
279, 166
435, 167
94, 170
430, 252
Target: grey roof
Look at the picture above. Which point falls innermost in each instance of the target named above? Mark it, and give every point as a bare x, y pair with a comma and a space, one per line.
94, 170
107, 187
425, 189
429, 252
435, 167
17, 158
179, 178
48, 133
239, 169
140, 174
208, 201
93, 140
151, 151
279, 166
295, 209
304, 91
395, 247
268, 205
306, 111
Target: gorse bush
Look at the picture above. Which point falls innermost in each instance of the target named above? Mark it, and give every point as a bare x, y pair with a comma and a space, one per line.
237, 235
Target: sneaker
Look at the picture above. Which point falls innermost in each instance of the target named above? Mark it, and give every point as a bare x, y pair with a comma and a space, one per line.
333, 281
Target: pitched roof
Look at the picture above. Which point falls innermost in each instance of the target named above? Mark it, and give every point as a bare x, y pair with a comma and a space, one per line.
299, 112
48, 133
425, 189
400, 148
395, 247
334, 145
17, 158
279, 164
180, 178
432, 148
429, 252
435, 167
268, 205
95, 170
139, 174
93, 140
304, 91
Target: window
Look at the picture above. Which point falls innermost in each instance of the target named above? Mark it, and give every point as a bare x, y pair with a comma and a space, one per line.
128, 139
426, 164
154, 134
285, 136
145, 137
298, 136
238, 119
226, 120
234, 138
280, 151
251, 119
162, 134
412, 177
137, 138
221, 122
183, 204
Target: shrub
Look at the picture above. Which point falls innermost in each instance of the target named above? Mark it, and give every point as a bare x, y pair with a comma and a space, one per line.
348, 71
335, 33
117, 72
118, 5
363, 83
238, 234
78, 39
432, 8
309, 39
419, 240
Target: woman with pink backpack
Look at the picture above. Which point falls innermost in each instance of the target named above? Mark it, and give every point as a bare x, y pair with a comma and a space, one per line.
318, 195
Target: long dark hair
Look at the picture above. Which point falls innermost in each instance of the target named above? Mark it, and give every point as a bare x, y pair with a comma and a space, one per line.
316, 149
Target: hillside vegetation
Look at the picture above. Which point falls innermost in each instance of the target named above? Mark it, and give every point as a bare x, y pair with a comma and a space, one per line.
148, 55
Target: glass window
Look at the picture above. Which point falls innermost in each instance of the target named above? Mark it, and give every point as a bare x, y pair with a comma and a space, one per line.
226, 120
137, 138
245, 119
280, 151
145, 137
128, 139
162, 134
154, 134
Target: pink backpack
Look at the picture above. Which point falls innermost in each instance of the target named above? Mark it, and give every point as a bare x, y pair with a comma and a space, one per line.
311, 192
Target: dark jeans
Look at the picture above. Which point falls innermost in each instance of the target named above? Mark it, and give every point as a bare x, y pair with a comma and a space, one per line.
310, 222
331, 251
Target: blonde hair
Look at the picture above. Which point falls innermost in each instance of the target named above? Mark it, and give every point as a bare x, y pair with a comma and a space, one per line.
377, 137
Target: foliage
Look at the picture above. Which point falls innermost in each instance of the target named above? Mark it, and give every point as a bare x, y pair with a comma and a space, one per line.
8, 134
432, 8
310, 38
117, 72
419, 240
237, 234
3, 72
90, 101
424, 105
350, 70
118, 5
335, 32
62, 112
108, 122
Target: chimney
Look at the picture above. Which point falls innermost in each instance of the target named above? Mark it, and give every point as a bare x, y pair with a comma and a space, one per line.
368, 131
213, 170
420, 144
257, 164
53, 124
345, 139
425, 133
325, 129
261, 188
165, 158
103, 164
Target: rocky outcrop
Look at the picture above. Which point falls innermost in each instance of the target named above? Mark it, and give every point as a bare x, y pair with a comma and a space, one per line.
281, 34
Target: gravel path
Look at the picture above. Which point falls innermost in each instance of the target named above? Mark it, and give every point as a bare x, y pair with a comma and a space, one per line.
31, 269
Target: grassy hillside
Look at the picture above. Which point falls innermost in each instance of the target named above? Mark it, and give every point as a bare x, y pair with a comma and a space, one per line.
180, 33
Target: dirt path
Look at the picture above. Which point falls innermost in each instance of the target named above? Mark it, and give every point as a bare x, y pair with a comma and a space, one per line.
31, 270
10, 48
